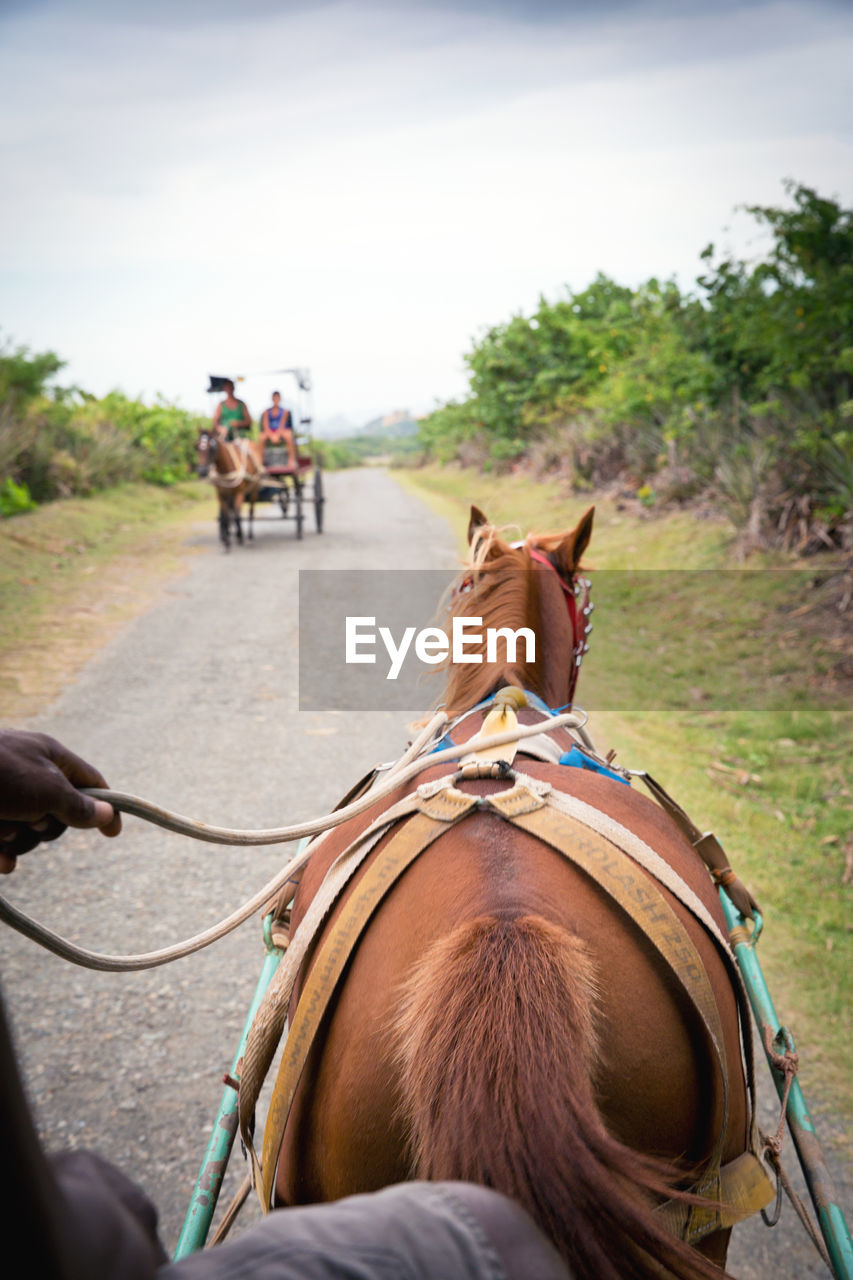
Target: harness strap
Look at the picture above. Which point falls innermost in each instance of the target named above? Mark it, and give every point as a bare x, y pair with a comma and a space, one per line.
744, 1189
707, 846
642, 853
248, 469
416, 835
640, 899
742, 1183
528, 805
645, 855
268, 1024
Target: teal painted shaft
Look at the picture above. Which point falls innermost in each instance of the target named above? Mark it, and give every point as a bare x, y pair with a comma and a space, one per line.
213, 1166
836, 1233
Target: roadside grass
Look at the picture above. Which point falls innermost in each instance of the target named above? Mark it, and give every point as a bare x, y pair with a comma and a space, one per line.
543, 506
728, 684
72, 572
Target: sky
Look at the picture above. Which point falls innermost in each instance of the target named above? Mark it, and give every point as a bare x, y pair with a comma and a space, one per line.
361, 189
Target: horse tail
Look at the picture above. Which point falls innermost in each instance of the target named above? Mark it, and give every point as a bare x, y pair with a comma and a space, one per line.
496, 1044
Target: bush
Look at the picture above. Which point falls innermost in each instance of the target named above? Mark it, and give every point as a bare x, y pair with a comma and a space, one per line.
61, 443
743, 392
14, 498
338, 455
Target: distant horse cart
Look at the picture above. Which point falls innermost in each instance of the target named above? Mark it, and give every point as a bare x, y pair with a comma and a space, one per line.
290, 488
243, 472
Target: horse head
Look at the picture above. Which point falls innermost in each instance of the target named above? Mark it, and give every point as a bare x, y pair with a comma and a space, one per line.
534, 584
206, 447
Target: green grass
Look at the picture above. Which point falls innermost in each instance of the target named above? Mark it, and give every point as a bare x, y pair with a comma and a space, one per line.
720, 684
72, 571
620, 541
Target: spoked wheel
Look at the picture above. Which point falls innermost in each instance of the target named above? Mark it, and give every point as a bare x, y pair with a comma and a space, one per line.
297, 504
319, 499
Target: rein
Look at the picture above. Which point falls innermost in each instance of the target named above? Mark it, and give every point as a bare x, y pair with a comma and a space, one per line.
410, 764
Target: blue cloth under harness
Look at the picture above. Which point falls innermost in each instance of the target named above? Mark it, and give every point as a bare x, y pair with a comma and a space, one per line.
576, 758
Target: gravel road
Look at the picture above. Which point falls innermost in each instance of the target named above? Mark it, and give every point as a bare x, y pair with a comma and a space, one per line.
194, 706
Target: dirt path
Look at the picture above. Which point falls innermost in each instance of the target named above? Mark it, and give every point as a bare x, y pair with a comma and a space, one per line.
193, 705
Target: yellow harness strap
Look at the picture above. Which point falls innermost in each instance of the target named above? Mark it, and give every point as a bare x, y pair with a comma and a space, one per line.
416, 834
741, 1186
744, 1189
639, 898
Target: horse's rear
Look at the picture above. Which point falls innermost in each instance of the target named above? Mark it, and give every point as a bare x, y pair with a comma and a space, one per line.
500, 1024
504, 1020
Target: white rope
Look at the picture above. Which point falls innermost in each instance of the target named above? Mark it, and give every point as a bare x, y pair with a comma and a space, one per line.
227, 480
398, 776
282, 835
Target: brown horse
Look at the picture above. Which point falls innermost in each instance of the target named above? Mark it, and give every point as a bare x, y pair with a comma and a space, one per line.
502, 1020
238, 467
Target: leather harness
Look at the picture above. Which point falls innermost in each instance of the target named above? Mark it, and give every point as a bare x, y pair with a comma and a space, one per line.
607, 852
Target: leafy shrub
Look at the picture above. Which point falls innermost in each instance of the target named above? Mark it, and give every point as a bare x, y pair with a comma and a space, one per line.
743, 391
23, 375
58, 443
14, 498
338, 455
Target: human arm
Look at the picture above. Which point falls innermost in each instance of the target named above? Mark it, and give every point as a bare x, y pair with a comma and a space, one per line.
419, 1230
39, 796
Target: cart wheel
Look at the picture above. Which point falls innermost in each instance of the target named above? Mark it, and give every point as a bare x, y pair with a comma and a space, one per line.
319, 499
297, 505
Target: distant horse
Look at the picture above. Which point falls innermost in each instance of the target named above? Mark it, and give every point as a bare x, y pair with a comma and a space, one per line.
503, 1019
238, 468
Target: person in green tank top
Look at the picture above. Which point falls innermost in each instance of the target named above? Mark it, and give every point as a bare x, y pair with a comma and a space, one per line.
231, 418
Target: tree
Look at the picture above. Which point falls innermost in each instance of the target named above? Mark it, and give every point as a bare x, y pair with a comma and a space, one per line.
24, 376
785, 326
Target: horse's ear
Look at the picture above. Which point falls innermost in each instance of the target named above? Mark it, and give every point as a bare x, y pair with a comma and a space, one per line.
567, 555
476, 521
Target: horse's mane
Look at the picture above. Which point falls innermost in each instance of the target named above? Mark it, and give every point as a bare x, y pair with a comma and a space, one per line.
493, 585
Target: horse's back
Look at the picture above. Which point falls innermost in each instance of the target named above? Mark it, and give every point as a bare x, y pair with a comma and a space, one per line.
653, 1081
